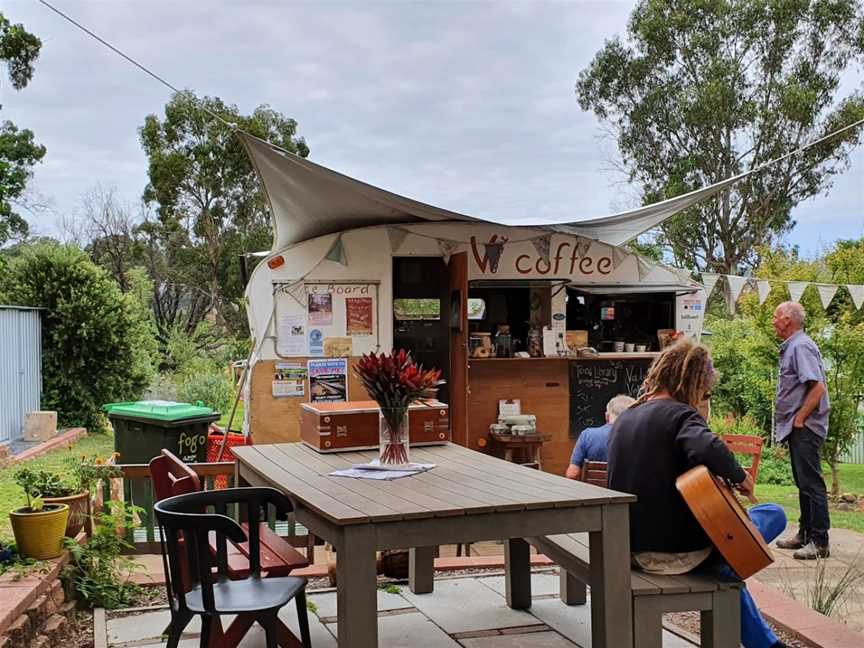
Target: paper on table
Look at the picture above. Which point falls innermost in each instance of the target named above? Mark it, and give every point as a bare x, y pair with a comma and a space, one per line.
381, 475
374, 465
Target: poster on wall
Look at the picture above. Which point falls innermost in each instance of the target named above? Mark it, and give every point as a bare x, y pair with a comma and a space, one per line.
338, 347
358, 316
316, 342
289, 380
328, 380
320, 309
291, 335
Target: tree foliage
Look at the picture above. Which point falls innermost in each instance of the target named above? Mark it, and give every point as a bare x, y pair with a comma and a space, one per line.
18, 149
704, 90
210, 205
97, 342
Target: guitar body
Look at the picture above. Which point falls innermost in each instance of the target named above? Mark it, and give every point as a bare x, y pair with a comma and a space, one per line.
725, 521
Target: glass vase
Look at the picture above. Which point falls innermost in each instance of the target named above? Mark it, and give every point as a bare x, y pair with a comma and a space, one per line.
393, 437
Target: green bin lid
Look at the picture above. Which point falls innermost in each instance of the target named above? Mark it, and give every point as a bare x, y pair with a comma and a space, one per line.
158, 410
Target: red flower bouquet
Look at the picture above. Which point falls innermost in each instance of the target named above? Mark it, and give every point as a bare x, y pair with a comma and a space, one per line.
395, 381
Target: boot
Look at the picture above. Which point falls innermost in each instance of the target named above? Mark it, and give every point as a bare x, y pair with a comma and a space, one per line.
812, 551
795, 542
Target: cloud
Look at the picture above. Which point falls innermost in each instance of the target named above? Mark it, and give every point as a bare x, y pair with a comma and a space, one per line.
465, 106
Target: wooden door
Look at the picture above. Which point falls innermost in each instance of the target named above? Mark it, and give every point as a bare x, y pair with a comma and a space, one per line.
458, 322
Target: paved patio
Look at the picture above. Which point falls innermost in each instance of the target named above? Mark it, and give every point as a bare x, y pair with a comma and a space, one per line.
467, 611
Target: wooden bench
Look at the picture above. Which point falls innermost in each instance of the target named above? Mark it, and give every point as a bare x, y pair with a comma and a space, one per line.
653, 595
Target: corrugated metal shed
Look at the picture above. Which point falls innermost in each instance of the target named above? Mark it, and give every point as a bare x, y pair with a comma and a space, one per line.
20, 368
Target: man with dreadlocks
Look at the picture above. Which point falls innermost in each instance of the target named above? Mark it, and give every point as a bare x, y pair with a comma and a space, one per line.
659, 438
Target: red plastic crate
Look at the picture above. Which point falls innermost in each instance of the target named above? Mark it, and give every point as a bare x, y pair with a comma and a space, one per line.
214, 442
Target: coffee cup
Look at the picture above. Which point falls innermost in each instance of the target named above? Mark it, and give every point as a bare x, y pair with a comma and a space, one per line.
629, 347
619, 346
641, 348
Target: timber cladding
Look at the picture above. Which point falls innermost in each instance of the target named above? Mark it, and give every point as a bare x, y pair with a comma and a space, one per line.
277, 420
543, 388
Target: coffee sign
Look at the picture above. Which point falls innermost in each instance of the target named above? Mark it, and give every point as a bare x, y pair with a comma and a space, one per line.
569, 256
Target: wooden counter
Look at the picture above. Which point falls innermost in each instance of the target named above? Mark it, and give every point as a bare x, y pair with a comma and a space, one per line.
542, 385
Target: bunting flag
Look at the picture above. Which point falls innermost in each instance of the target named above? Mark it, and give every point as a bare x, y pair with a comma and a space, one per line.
493, 253
298, 292
582, 246
764, 289
397, 237
796, 289
709, 280
619, 255
857, 293
644, 268
826, 293
541, 244
736, 285
447, 248
337, 252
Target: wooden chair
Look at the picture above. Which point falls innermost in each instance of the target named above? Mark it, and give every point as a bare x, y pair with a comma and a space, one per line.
595, 472
746, 445
172, 477
187, 529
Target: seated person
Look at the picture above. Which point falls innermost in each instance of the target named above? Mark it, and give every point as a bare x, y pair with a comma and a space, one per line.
660, 437
593, 442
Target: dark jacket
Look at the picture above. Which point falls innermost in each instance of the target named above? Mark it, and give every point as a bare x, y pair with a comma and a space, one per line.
651, 444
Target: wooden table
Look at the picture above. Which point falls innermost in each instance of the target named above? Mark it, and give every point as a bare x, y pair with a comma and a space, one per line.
468, 497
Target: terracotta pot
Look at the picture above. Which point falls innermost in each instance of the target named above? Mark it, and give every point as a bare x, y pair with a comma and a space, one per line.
77, 511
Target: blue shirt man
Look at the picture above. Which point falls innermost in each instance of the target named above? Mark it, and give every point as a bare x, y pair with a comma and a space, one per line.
593, 443
802, 410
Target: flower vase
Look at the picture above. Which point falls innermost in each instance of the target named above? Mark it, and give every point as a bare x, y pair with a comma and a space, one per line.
393, 437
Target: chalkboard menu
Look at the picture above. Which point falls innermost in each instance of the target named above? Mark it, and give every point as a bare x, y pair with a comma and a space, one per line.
593, 383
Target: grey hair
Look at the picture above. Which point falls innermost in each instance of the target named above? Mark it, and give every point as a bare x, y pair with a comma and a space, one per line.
794, 311
618, 404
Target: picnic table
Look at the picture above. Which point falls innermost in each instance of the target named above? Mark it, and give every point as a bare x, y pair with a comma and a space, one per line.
468, 497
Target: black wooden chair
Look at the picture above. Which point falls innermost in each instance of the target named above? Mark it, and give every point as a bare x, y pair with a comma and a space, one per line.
211, 593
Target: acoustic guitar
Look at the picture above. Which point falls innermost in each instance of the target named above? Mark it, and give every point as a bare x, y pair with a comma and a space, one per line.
727, 524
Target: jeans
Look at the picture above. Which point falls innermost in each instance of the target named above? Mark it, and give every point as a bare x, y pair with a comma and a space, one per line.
804, 449
770, 520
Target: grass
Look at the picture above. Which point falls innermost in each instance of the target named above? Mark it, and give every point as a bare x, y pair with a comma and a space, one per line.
12, 497
851, 481
237, 425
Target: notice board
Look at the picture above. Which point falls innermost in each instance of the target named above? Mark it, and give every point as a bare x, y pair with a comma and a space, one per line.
593, 383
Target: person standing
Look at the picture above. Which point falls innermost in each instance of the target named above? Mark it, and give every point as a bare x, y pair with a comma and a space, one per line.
802, 409
593, 443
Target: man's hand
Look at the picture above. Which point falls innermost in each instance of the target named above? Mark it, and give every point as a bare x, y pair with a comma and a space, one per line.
747, 487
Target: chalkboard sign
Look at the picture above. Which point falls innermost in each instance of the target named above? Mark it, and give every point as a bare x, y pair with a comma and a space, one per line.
593, 383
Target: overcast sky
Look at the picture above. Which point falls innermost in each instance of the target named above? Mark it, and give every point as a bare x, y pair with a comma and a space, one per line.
467, 106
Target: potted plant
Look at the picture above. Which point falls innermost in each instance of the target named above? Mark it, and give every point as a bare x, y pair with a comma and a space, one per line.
395, 381
87, 473
38, 527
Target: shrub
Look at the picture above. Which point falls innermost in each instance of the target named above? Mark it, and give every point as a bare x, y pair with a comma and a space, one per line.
97, 342
775, 467
212, 388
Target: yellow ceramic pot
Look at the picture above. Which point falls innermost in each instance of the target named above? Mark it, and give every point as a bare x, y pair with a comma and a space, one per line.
40, 535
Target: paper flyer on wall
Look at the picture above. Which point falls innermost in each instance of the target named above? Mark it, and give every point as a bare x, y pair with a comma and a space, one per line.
289, 380
358, 316
320, 309
328, 380
291, 335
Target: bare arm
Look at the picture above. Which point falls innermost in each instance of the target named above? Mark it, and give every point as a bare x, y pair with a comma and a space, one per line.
811, 402
573, 472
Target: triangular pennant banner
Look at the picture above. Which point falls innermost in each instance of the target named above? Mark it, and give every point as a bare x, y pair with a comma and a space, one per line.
541, 244
764, 289
736, 285
857, 293
709, 280
644, 268
618, 257
796, 289
582, 247
826, 294
396, 236
447, 248
298, 292
337, 252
